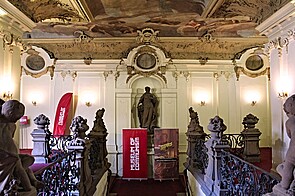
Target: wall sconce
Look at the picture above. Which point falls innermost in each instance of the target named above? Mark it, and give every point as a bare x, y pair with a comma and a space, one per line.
282, 95
202, 103
88, 103
253, 103
7, 96
88, 98
34, 103
252, 97
201, 97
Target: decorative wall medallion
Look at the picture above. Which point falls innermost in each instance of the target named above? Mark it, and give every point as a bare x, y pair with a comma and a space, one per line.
254, 63
35, 62
146, 61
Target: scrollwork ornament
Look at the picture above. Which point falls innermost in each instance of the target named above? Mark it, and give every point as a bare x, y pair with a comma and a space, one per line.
186, 74
275, 43
283, 42
175, 74
82, 36
291, 33
208, 38
106, 74
203, 60
116, 74
216, 75
8, 38
270, 46
226, 74
147, 35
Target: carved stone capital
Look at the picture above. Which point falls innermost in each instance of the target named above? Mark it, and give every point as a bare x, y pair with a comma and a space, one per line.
72, 74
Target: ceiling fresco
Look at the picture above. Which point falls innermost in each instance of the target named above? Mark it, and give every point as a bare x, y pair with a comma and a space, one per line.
123, 18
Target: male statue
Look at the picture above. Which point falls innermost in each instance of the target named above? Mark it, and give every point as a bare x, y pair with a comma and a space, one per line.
147, 110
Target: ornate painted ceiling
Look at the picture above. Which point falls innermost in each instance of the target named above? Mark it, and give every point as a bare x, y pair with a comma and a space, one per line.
109, 29
122, 18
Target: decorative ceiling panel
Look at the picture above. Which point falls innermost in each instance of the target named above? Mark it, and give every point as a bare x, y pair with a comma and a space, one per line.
122, 18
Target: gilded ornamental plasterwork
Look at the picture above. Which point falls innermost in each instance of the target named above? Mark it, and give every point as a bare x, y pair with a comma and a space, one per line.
281, 42
36, 63
147, 36
252, 63
10, 39
178, 48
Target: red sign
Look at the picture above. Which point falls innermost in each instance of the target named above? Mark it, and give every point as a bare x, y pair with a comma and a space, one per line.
61, 115
24, 120
135, 153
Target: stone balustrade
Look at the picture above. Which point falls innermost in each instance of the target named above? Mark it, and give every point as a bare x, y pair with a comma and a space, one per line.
89, 153
206, 155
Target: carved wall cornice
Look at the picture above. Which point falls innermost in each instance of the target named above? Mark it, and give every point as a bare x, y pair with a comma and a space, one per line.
10, 39
178, 48
281, 42
16, 18
274, 25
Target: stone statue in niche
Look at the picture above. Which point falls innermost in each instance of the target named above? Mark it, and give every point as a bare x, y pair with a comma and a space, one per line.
22, 178
147, 110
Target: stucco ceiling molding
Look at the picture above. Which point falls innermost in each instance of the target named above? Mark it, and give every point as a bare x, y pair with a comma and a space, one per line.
279, 43
278, 22
10, 39
178, 48
16, 18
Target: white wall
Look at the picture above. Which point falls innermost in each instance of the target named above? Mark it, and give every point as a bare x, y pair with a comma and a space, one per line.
279, 28
12, 26
224, 96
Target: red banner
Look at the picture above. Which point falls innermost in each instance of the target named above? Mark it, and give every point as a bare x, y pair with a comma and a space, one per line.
61, 115
135, 153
